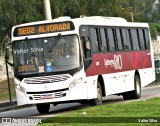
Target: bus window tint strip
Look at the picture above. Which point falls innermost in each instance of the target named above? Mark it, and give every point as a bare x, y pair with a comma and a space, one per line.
111, 39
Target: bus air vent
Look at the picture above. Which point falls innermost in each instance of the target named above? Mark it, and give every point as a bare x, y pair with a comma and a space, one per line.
46, 79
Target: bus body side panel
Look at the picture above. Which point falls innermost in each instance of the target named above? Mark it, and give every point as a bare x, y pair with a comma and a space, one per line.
92, 87
119, 62
119, 68
119, 82
147, 76
20, 97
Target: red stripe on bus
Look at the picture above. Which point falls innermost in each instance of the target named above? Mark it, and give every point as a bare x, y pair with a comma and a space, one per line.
119, 62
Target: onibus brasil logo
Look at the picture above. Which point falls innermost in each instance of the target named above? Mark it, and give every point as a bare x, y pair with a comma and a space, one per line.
116, 62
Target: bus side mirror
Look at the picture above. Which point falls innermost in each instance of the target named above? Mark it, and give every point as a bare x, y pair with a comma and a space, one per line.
7, 55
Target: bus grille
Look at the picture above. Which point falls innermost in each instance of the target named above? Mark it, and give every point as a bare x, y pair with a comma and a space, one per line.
40, 96
47, 94
46, 79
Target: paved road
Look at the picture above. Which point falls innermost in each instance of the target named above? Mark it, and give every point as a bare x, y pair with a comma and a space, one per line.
148, 92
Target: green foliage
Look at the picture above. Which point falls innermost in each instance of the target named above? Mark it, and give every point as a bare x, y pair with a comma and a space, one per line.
153, 30
17, 12
157, 26
115, 113
22, 11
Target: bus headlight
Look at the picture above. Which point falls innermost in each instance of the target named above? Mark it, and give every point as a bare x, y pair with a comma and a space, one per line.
20, 88
72, 85
23, 89
17, 87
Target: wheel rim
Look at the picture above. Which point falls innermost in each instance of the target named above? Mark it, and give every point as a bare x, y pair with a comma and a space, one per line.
138, 86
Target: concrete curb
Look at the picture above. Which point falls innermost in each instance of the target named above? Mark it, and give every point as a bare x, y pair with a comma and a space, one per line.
5, 106
7, 103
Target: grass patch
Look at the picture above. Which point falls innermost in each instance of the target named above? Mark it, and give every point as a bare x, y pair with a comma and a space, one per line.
4, 94
113, 114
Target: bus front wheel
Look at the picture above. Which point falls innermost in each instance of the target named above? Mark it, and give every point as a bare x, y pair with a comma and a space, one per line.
98, 100
43, 108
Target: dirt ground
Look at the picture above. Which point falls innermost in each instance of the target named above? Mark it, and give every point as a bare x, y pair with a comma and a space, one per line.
4, 92
5, 82
155, 83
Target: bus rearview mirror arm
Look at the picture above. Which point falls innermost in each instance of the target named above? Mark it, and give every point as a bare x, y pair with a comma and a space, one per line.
7, 54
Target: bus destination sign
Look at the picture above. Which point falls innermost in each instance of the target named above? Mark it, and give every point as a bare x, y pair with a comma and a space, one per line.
43, 28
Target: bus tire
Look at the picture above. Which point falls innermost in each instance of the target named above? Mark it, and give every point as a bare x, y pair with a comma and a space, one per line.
98, 100
136, 94
126, 96
43, 108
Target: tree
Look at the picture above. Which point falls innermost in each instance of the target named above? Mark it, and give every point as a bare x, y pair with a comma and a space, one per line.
18, 12
156, 11
154, 30
23, 11
2, 32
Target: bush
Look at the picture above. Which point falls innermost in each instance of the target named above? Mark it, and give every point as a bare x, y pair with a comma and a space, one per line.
153, 30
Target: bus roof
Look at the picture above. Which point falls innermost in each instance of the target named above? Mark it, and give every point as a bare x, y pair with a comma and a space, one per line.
92, 20
108, 21
102, 18
70, 25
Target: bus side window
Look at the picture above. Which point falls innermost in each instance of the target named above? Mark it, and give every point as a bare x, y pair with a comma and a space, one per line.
147, 40
141, 38
126, 40
134, 38
119, 39
104, 47
111, 40
86, 47
94, 40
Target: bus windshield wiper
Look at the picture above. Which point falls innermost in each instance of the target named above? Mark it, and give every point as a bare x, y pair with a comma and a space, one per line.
30, 47
32, 54
55, 42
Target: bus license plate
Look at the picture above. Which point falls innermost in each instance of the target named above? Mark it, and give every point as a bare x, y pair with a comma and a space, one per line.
47, 96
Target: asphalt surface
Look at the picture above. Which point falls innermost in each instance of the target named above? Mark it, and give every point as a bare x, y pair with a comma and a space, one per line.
30, 111
4, 106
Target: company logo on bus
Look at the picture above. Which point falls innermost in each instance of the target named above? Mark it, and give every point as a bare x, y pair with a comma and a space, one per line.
116, 62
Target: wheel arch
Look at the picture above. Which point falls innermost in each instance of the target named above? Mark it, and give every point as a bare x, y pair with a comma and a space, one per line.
101, 81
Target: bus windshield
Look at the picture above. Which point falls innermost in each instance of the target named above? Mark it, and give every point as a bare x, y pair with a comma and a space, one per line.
45, 55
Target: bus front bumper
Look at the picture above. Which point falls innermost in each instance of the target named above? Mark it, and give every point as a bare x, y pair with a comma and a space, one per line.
79, 92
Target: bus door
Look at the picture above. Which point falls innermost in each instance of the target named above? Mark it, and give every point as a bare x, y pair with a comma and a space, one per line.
86, 46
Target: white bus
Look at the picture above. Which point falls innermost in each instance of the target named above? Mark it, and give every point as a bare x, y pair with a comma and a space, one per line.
80, 60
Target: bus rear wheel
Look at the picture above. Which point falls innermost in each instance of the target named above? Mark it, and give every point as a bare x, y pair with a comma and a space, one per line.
136, 94
43, 108
126, 95
98, 100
